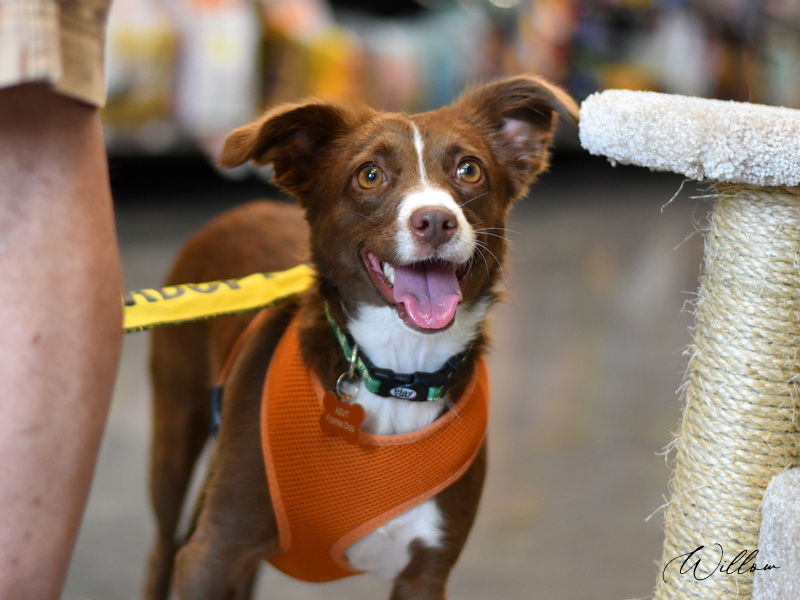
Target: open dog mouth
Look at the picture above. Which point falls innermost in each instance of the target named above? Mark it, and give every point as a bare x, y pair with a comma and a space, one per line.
426, 293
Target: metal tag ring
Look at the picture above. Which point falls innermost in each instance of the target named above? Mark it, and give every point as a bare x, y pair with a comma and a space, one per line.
347, 380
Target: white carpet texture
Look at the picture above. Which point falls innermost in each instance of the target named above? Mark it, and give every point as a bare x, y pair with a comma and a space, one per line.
700, 138
779, 542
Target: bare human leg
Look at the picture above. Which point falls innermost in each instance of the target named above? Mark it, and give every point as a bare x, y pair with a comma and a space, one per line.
60, 329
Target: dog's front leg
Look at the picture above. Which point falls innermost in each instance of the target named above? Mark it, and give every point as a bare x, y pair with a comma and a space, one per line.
425, 576
205, 569
236, 528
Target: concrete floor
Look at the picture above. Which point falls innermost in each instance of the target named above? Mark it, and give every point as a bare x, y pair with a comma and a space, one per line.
586, 360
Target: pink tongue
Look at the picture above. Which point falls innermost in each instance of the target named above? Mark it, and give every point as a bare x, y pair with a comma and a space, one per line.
429, 292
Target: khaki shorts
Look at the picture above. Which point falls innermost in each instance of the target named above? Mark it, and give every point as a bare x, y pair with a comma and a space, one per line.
60, 42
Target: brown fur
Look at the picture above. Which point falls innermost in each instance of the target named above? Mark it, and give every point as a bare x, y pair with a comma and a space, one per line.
315, 149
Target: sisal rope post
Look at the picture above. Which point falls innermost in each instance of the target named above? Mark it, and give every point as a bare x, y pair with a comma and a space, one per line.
741, 412
739, 426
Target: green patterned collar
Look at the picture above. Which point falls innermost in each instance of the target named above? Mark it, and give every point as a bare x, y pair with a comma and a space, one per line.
418, 386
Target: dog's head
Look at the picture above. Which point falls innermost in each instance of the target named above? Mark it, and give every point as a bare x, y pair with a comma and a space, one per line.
409, 211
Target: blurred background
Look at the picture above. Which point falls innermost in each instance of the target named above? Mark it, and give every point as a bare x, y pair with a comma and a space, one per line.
182, 73
588, 345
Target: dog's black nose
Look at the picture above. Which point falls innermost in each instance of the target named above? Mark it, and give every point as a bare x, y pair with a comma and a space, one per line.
433, 224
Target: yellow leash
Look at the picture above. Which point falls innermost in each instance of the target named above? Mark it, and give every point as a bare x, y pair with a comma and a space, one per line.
148, 308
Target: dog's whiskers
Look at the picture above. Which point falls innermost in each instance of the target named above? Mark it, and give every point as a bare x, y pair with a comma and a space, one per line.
480, 244
499, 229
485, 262
467, 201
362, 215
484, 232
480, 247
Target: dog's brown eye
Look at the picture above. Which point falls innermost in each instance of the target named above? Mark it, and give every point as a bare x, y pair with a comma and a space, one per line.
469, 171
369, 176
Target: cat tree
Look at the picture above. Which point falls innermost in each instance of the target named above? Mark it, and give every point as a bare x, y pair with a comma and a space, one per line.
740, 426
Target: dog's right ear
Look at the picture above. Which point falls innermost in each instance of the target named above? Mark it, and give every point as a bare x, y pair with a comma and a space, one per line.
293, 138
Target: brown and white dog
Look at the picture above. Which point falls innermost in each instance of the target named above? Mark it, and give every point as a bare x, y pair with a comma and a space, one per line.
404, 221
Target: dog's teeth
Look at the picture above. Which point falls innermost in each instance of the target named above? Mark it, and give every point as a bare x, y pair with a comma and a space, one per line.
388, 271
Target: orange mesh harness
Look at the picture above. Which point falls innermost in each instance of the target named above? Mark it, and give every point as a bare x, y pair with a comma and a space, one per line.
328, 493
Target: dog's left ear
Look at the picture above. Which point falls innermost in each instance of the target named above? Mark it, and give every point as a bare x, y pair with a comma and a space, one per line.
520, 115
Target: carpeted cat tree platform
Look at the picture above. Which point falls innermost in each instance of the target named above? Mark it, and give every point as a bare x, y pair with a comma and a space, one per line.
739, 439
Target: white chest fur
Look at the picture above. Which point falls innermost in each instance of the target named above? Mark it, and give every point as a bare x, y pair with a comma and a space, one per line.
383, 337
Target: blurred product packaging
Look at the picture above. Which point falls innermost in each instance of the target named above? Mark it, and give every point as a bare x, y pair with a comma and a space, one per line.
182, 73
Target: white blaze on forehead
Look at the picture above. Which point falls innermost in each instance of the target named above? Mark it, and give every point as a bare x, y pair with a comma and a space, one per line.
419, 146
460, 248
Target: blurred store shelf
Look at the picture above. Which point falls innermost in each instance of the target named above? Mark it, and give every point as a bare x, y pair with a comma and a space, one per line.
182, 73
